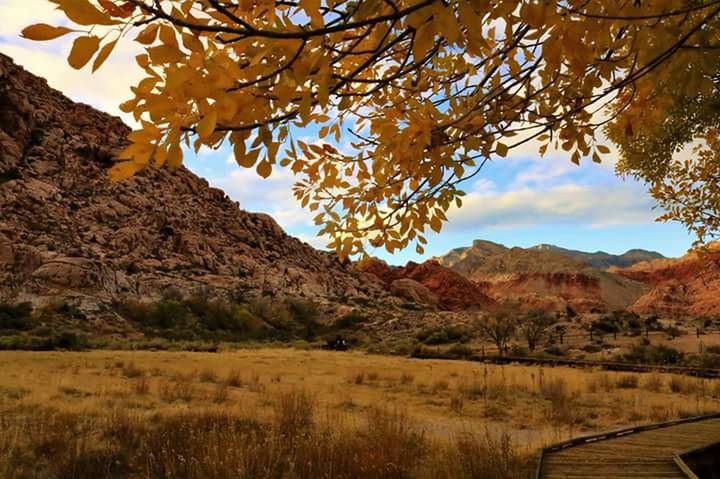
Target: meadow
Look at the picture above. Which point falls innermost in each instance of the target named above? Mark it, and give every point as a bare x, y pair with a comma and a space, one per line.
300, 414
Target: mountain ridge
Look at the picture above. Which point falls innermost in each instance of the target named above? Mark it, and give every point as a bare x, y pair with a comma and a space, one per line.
66, 231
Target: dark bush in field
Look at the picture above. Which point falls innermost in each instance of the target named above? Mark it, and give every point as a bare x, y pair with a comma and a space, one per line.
15, 316
649, 354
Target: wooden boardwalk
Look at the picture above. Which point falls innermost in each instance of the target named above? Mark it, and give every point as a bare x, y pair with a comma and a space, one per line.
642, 452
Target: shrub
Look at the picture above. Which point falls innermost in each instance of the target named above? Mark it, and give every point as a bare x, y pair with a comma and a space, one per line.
216, 315
708, 360
15, 316
554, 351
350, 320
713, 349
163, 314
67, 340
443, 335
648, 354
460, 350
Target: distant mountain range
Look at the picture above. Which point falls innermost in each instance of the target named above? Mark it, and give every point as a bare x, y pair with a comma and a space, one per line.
547, 277
487, 250
603, 260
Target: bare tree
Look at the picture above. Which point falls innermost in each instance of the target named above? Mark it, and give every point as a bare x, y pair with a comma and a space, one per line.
498, 327
534, 325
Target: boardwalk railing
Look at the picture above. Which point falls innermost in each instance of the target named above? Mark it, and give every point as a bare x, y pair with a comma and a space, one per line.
609, 366
579, 441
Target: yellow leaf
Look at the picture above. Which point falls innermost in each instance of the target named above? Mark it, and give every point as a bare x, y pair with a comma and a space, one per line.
42, 31
435, 224
174, 156
501, 149
148, 35
246, 160
312, 8
165, 54
83, 12
103, 55
161, 154
167, 36
206, 126
124, 170
603, 149
82, 51
264, 168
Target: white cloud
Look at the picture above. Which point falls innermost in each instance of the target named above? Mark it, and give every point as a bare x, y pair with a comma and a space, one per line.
105, 89
272, 195
588, 205
316, 242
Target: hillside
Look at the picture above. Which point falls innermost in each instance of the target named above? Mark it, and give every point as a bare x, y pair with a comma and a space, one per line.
684, 286
66, 231
431, 284
542, 277
603, 260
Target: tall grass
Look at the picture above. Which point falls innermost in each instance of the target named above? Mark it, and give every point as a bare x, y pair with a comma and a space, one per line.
219, 444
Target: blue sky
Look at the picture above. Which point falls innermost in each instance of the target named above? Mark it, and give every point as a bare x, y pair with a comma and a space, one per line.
522, 200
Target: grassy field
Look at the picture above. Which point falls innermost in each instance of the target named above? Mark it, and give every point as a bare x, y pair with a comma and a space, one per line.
293, 413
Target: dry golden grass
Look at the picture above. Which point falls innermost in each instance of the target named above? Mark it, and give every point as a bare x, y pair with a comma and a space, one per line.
246, 413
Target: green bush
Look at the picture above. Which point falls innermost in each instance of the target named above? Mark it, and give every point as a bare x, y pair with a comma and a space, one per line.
554, 351
649, 354
63, 340
350, 321
460, 350
15, 316
443, 335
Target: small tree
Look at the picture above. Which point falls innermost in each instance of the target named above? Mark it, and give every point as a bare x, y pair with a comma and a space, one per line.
534, 325
498, 327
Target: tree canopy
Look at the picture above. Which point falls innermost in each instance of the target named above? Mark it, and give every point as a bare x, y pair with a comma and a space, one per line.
410, 97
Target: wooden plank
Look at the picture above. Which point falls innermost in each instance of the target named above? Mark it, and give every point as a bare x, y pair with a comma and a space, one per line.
646, 451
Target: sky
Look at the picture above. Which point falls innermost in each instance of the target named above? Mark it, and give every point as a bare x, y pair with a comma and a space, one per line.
521, 200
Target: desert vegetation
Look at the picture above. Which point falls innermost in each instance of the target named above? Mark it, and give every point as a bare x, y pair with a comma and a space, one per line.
292, 413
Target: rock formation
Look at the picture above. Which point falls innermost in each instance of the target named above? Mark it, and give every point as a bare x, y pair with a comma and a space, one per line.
446, 288
542, 278
687, 286
66, 230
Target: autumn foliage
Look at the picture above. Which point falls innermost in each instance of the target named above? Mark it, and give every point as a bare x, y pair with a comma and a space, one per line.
410, 97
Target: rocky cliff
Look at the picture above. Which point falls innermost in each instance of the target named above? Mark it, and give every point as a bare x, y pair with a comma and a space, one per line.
66, 230
687, 286
431, 284
542, 277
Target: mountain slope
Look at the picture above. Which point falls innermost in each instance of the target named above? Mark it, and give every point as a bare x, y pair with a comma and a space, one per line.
542, 278
684, 286
429, 283
603, 260
66, 230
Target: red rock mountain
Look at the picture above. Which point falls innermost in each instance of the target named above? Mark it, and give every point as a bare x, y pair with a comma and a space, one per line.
66, 230
684, 286
430, 283
542, 277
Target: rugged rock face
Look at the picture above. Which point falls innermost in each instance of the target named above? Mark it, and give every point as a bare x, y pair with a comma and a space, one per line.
449, 290
544, 278
66, 230
685, 286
